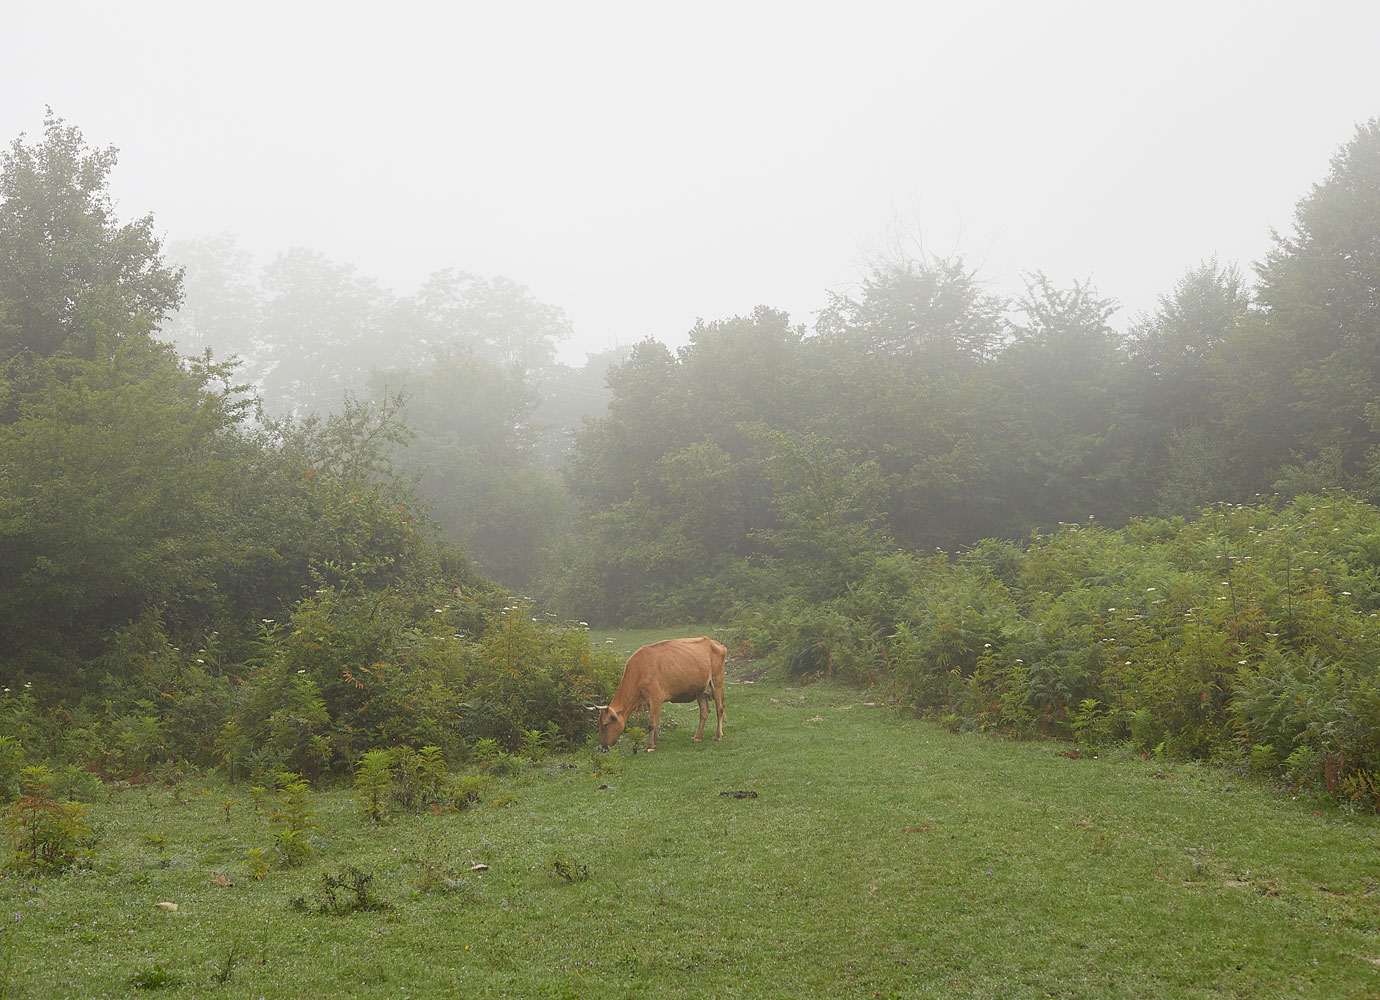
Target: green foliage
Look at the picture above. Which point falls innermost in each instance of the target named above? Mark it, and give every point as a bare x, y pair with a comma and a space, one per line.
153, 976
350, 890
350, 672
294, 822
1250, 630
11, 767
374, 783
46, 836
467, 789
529, 676
73, 281
400, 777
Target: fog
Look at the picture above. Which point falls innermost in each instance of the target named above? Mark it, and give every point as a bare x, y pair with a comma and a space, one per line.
641, 168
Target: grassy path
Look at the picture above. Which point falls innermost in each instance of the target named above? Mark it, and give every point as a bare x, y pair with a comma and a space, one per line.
880, 857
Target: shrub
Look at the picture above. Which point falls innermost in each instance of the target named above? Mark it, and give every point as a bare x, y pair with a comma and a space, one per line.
1247, 628
46, 836
293, 823
401, 777
348, 891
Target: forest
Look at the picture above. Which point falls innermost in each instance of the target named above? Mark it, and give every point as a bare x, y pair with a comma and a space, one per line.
273, 518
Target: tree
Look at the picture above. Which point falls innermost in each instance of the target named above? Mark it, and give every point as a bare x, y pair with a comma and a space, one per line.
321, 320
496, 318
930, 312
220, 306
569, 397
1309, 369
1054, 391
472, 452
830, 523
73, 280
113, 498
650, 414
1170, 413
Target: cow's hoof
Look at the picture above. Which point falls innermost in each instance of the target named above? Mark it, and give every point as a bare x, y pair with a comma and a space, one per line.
650, 750
694, 739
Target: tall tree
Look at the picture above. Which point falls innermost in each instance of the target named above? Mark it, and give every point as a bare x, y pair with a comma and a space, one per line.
495, 318
1054, 392
1313, 356
472, 452
73, 279
1170, 413
929, 311
321, 319
221, 305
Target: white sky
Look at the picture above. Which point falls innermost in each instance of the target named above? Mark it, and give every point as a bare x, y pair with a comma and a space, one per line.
644, 164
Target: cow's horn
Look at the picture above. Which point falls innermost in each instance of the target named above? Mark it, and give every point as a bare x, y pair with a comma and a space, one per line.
596, 708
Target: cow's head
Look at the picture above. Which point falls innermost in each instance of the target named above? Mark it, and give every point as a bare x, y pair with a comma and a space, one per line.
610, 725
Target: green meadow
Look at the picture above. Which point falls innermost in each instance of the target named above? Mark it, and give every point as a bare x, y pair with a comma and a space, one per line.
864, 854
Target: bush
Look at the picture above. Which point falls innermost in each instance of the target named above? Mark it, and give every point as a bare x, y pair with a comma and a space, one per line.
46, 836
399, 777
1245, 629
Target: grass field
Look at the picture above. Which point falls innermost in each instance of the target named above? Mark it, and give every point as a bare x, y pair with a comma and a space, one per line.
879, 857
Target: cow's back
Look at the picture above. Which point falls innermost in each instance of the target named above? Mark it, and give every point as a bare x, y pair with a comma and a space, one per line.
676, 669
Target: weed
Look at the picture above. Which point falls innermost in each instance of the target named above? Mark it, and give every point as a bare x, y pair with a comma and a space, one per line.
373, 780
257, 860
348, 891
534, 744
153, 977
1358, 788
462, 886
1264, 760
227, 968
11, 766
490, 757
294, 822
1085, 722
1304, 768
571, 871
399, 776
468, 789
601, 763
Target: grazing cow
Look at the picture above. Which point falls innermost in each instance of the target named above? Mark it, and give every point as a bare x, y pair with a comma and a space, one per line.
678, 670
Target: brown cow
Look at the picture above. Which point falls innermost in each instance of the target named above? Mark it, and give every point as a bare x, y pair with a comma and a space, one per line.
677, 670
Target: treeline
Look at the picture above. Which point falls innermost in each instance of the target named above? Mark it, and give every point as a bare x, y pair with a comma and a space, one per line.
188, 579
250, 515
469, 364
764, 460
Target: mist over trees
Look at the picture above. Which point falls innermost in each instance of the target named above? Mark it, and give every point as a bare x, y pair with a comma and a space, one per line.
919, 410
201, 444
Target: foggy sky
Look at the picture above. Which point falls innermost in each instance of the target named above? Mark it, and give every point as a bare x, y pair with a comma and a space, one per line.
644, 164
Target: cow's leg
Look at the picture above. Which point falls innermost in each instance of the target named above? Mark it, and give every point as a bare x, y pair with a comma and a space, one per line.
654, 708
718, 711
704, 716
